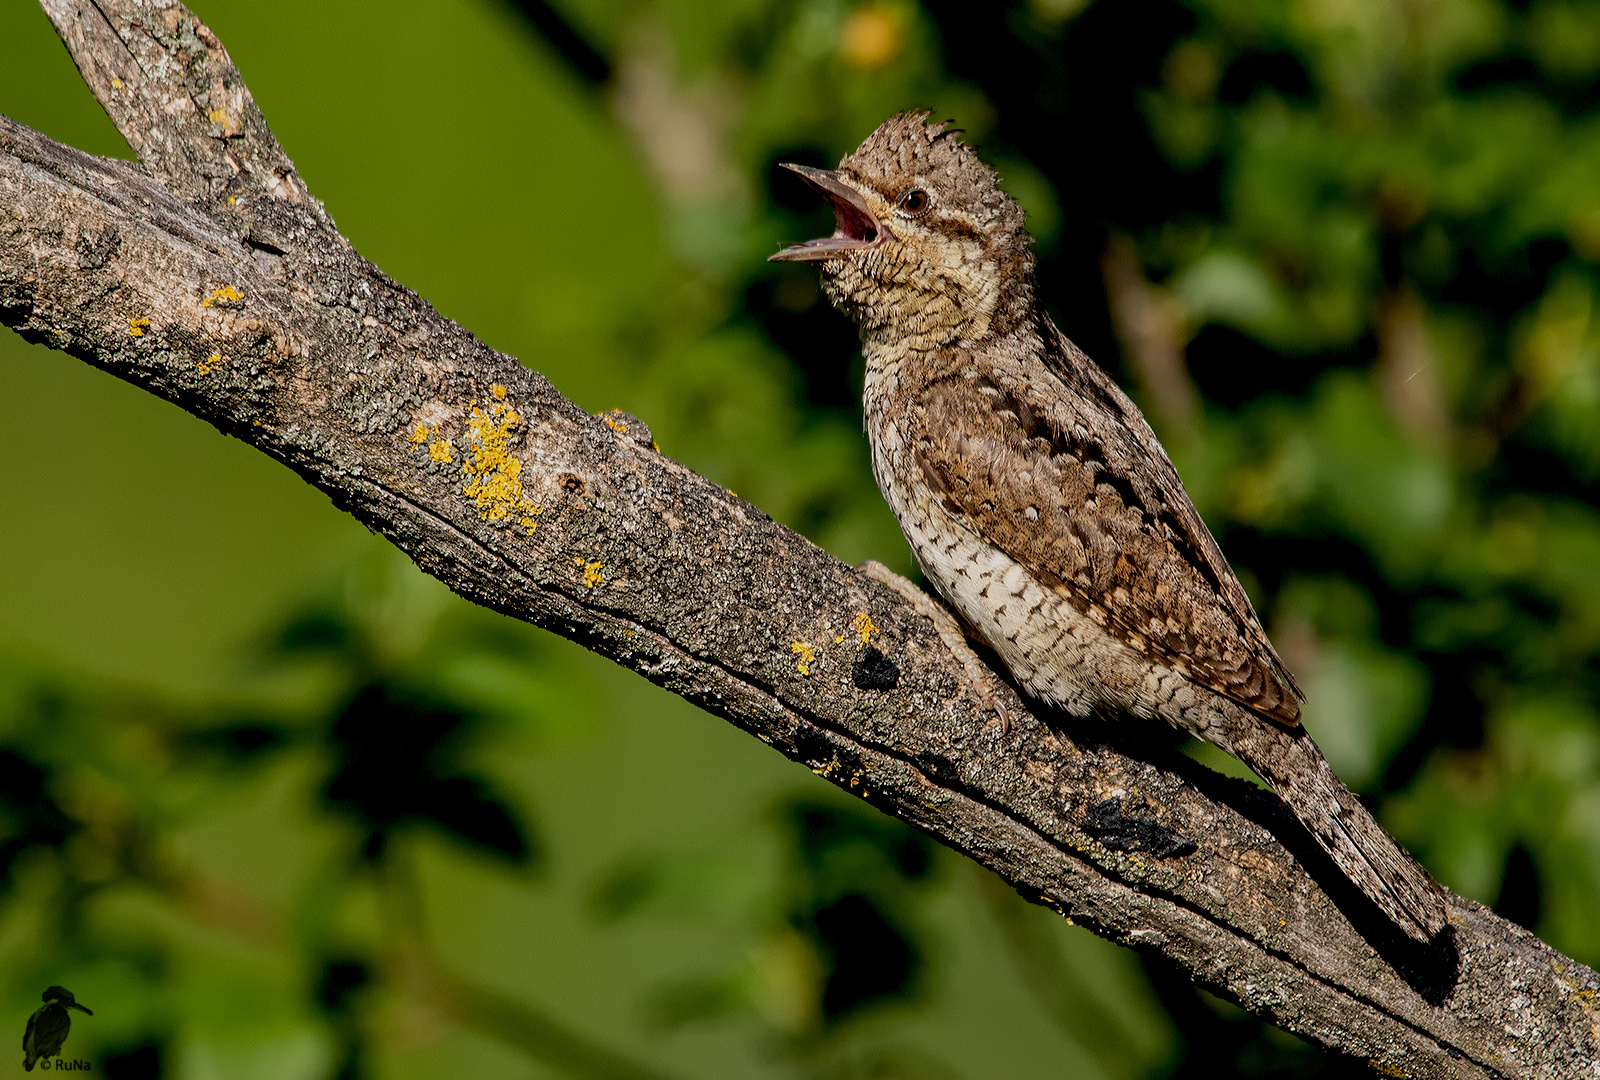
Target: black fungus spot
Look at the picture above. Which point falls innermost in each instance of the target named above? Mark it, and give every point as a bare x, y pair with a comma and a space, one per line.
1134, 832
257, 244
874, 671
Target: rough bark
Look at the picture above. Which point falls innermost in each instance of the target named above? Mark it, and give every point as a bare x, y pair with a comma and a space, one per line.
208, 275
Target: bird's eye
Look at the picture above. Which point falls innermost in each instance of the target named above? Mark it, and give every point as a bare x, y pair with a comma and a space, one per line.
914, 201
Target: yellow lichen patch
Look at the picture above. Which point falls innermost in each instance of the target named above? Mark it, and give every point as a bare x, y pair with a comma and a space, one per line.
498, 391
217, 116
137, 327
806, 654
494, 476
208, 365
862, 625
619, 426
1383, 1068
116, 84
227, 292
440, 450
839, 640
591, 574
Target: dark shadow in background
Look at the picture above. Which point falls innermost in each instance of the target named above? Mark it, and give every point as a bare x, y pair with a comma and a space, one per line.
787, 298
142, 1061
853, 874
580, 56
395, 764
338, 988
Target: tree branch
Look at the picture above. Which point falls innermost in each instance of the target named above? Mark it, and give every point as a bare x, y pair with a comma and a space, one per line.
208, 275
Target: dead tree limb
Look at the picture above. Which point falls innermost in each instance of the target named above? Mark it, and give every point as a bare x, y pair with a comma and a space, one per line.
210, 276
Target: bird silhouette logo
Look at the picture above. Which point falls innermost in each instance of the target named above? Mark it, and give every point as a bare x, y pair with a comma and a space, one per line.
49, 1025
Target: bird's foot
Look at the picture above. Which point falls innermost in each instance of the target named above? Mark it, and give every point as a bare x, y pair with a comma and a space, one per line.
980, 680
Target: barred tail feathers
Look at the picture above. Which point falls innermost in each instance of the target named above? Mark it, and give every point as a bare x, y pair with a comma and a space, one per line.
1290, 761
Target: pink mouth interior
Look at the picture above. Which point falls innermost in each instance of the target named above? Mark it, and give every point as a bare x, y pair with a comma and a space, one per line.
853, 229
854, 226
851, 224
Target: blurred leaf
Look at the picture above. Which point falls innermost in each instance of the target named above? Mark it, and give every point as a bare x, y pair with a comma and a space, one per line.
394, 765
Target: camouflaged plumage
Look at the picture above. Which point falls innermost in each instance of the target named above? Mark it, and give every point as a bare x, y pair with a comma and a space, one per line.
1039, 502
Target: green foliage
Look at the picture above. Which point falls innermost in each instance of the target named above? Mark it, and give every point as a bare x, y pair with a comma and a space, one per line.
101, 788
830, 936
1409, 194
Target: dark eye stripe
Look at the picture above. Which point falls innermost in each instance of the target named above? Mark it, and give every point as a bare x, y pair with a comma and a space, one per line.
959, 226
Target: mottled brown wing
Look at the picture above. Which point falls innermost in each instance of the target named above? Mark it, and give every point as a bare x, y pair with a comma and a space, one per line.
1076, 488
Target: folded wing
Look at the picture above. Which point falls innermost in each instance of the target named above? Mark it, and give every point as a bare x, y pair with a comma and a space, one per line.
1076, 488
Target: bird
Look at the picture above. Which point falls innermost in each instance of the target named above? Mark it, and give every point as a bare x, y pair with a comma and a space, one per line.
49, 1025
1038, 501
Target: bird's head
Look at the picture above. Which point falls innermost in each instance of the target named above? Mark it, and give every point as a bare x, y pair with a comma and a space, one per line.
924, 244
60, 995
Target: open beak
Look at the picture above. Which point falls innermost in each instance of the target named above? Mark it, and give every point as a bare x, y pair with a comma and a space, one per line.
855, 227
